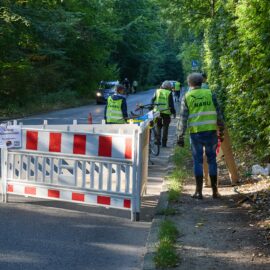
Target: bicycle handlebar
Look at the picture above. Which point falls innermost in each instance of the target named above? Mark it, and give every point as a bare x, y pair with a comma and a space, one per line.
148, 106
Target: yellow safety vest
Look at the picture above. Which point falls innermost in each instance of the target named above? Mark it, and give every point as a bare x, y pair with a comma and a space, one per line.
114, 113
202, 111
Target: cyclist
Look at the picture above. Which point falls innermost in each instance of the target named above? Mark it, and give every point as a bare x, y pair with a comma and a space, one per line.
116, 107
163, 95
200, 113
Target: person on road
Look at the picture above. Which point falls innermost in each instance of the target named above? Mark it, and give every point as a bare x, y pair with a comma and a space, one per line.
116, 107
126, 84
164, 96
134, 86
200, 112
177, 88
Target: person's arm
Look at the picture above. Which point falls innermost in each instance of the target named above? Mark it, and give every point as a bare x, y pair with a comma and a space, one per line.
220, 118
153, 98
183, 118
171, 104
105, 113
124, 108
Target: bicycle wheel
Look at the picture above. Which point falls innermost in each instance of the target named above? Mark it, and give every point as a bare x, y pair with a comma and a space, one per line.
153, 148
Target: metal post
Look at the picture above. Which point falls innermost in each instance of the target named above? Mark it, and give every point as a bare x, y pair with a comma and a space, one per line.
135, 216
4, 174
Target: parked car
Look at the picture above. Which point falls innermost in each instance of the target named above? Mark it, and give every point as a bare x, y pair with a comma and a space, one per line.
106, 89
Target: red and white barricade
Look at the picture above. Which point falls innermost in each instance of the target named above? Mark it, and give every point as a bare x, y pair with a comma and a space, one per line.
98, 165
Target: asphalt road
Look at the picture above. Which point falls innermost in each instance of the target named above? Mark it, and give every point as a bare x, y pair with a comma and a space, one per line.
81, 113
40, 234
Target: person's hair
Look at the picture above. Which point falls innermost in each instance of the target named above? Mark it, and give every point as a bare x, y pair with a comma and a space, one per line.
195, 79
166, 85
204, 75
119, 87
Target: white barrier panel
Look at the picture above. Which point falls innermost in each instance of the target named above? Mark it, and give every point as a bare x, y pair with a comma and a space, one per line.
108, 168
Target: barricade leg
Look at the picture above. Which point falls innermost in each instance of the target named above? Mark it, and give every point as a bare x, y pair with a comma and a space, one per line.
4, 174
135, 216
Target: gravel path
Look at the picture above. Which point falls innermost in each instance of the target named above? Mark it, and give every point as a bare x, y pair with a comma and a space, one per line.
218, 234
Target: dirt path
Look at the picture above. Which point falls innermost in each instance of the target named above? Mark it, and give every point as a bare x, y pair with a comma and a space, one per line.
218, 234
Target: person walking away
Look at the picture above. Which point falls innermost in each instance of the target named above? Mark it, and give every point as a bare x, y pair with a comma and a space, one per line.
134, 86
126, 84
177, 88
200, 112
116, 108
164, 96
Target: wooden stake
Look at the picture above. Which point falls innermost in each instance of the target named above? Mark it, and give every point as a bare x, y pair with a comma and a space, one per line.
229, 159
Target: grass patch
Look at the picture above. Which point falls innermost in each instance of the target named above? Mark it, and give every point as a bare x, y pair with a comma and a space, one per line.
180, 173
166, 255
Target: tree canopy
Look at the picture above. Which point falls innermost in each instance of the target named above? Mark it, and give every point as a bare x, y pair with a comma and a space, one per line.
61, 49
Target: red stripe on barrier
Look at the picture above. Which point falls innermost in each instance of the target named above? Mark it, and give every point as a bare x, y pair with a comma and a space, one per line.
30, 190
31, 140
127, 203
10, 188
79, 144
105, 146
52, 193
77, 197
55, 142
128, 148
103, 200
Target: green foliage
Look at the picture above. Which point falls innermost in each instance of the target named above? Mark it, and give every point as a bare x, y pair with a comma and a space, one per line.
231, 39
166, 255
51, 46
239, 71
168, 231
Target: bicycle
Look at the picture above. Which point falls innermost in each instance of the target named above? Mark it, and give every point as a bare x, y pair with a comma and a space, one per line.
154, 145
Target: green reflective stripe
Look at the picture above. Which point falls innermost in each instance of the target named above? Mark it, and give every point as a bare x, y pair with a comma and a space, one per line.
202, 113
114, 112
115, 117
202, 123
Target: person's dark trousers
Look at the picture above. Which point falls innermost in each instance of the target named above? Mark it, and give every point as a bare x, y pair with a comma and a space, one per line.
177, 95
207, 140
163, 122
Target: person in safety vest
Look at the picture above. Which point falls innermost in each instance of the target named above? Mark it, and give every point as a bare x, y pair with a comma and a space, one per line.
164, 96
116, 107
177, 88
200, 113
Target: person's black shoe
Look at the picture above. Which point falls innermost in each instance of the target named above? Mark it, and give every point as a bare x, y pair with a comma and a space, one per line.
216, 194
197, 195
198, 191
164, 145
157, 143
